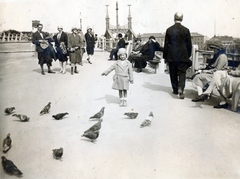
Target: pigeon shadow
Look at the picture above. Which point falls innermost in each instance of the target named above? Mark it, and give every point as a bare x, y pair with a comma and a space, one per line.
20, 120
88, 140
128, 118
110, 99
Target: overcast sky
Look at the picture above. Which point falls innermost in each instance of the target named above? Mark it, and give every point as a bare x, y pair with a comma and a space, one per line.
147, 15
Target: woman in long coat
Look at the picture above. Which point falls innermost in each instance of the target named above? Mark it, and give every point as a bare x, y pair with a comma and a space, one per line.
74, 46
61, 42
90, 43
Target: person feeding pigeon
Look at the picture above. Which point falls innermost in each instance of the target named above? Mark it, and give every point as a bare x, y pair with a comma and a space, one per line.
123, 75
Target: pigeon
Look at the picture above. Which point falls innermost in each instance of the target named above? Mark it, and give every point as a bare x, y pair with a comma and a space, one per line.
46, 109
98, 115
9, 110
59, 116
7, 144
57, 153
147, 121
22, 117
132, 115
95, 127
93, 135
10, 168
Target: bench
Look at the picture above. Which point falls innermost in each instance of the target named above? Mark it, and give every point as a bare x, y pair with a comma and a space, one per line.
155, 62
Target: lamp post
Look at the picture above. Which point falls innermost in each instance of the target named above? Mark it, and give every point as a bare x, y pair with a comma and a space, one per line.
80, 16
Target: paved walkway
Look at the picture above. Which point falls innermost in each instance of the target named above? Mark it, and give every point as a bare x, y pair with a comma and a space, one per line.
185, 140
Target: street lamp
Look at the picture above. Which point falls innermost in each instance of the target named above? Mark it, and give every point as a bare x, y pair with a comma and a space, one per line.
80, 16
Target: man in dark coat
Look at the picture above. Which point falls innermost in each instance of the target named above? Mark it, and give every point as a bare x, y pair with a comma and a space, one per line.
146, 53
39, 39
121, 44
177, 50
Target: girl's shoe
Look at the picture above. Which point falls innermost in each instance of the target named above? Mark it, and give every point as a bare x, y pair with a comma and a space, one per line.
121, 103
124, 103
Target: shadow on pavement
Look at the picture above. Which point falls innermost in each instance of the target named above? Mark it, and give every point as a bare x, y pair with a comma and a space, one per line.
110, 99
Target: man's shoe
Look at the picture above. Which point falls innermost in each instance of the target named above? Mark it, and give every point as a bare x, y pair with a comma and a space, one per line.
175, 92
180, 94
139, 70
43, 73
89, 61
202, 97
219, 106
50, 71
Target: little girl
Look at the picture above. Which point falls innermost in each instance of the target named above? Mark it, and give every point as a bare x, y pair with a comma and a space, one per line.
123, 75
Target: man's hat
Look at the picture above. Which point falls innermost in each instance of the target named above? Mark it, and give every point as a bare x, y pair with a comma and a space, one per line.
74, 28
60, 27
151, 37
89, 28
119, 35
39, 25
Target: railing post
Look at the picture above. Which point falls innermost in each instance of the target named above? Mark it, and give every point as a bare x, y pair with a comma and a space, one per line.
103, 43
3, 38
110, 43
194, 58
8, 37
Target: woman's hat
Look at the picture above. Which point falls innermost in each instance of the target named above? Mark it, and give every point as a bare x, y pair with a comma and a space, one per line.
74, 28
216, 45
122, 51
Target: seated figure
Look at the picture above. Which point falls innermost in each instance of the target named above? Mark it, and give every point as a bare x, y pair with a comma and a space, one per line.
228, 86
137, 46
202, 80
146, 53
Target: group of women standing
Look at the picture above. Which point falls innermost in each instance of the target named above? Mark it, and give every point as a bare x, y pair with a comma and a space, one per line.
73, 45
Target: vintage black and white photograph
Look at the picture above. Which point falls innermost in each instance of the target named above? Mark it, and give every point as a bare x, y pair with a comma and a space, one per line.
120, 89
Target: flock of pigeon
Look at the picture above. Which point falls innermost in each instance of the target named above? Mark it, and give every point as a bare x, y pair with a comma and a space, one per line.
92, 133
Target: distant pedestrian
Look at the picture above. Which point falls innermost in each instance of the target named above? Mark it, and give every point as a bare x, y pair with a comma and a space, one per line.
74, 45
123, 75
90, 43
82, 49
39, 39
177, 51
61, 42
